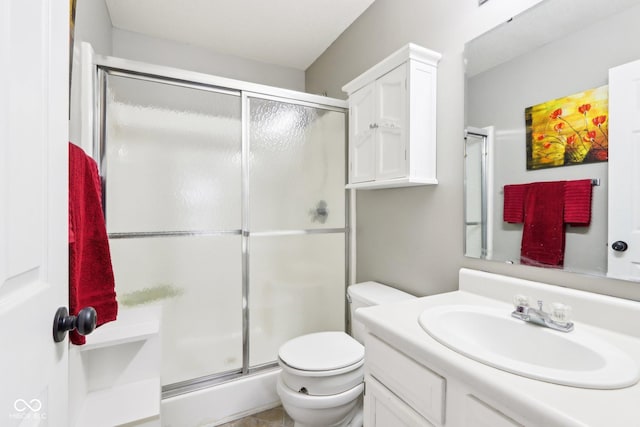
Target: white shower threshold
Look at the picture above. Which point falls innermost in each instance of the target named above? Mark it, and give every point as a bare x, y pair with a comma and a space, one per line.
222, 403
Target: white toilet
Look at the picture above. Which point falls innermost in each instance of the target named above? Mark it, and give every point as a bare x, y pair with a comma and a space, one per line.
322, 375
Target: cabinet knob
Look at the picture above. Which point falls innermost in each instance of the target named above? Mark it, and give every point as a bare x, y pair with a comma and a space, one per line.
373, 126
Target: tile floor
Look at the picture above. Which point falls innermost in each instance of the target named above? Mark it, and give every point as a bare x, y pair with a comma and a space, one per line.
275, 417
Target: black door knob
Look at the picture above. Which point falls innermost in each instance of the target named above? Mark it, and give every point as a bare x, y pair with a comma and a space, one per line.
84, 322
619, 246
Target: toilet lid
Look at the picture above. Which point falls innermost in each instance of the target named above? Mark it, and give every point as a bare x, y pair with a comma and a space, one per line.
321, 351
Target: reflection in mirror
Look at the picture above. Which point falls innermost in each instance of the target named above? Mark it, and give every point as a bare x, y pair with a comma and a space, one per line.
553, 50
478, 207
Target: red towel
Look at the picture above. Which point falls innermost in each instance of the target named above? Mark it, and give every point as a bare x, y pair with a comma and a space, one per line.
514, 196
577, 202
543, 234
91, 281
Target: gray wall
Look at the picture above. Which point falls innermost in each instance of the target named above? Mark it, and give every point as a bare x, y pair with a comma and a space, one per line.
93, 25
412, 237
127, 44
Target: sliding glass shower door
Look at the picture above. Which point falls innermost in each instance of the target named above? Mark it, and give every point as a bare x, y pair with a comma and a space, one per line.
172, 170
296, 222
236, 229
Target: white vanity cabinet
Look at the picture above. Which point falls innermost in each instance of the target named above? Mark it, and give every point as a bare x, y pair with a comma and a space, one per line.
399, 388
412, 379
402, 392
392, 121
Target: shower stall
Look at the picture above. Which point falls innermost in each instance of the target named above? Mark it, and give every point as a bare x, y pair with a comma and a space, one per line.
225, 205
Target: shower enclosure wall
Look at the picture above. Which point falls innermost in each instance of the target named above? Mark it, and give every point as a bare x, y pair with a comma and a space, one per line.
227, 208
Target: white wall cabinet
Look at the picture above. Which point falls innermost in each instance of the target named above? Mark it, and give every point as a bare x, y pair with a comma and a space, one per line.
392, 121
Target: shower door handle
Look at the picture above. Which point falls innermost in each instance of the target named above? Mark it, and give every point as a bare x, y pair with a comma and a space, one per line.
84, 322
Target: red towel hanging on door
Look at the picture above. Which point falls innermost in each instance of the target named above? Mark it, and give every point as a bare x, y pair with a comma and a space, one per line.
91, 281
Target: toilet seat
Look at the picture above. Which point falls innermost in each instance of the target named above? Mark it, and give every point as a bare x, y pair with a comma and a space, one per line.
322, 352
303, 373
322, 364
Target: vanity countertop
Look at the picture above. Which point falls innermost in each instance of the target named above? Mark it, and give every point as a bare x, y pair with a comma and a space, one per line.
549, 404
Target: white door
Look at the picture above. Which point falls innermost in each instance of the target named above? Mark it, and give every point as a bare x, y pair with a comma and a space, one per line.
624, 172
34, 37
391, 106
362, 155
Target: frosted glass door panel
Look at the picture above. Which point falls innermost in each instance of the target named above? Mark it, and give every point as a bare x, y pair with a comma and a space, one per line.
297, 167
173, 158
197, 281
297, 286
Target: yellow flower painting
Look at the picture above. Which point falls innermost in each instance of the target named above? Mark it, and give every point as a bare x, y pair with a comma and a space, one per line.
568, 131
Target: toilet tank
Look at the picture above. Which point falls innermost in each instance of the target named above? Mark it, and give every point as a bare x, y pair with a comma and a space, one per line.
367, 294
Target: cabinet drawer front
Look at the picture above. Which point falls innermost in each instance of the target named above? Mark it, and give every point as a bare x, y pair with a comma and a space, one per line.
384, 409
479, 414
418, 386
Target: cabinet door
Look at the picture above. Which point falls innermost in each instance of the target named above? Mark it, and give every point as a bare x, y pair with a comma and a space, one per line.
384, 409
391, 113
362, 155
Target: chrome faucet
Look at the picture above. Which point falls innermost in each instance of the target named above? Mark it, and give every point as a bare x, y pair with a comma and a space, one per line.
558, 319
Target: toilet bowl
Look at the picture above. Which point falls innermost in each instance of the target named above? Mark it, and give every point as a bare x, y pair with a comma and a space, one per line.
327, 411
322, 376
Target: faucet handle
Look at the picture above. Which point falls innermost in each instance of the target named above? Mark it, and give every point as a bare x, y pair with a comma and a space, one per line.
521, 300
560, 313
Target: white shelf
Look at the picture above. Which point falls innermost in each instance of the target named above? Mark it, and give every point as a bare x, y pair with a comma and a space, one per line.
122, 404
116, 333
132, 325
391, 183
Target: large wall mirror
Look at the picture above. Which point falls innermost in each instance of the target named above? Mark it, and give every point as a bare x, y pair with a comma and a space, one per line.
556, 49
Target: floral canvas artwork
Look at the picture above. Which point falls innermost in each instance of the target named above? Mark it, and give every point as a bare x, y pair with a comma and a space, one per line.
568, 131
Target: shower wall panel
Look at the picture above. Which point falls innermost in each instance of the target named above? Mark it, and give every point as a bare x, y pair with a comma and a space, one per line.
196, 280
173, 158
297, 287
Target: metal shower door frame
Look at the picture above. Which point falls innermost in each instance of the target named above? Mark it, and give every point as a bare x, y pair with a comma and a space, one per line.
110, 66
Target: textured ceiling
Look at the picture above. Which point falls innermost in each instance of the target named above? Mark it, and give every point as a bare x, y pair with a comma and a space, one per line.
290, 33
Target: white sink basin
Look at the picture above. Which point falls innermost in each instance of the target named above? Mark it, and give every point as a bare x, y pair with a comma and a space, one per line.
493, 337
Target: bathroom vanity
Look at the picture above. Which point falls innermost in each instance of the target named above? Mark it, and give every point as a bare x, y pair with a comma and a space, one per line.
413, 379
